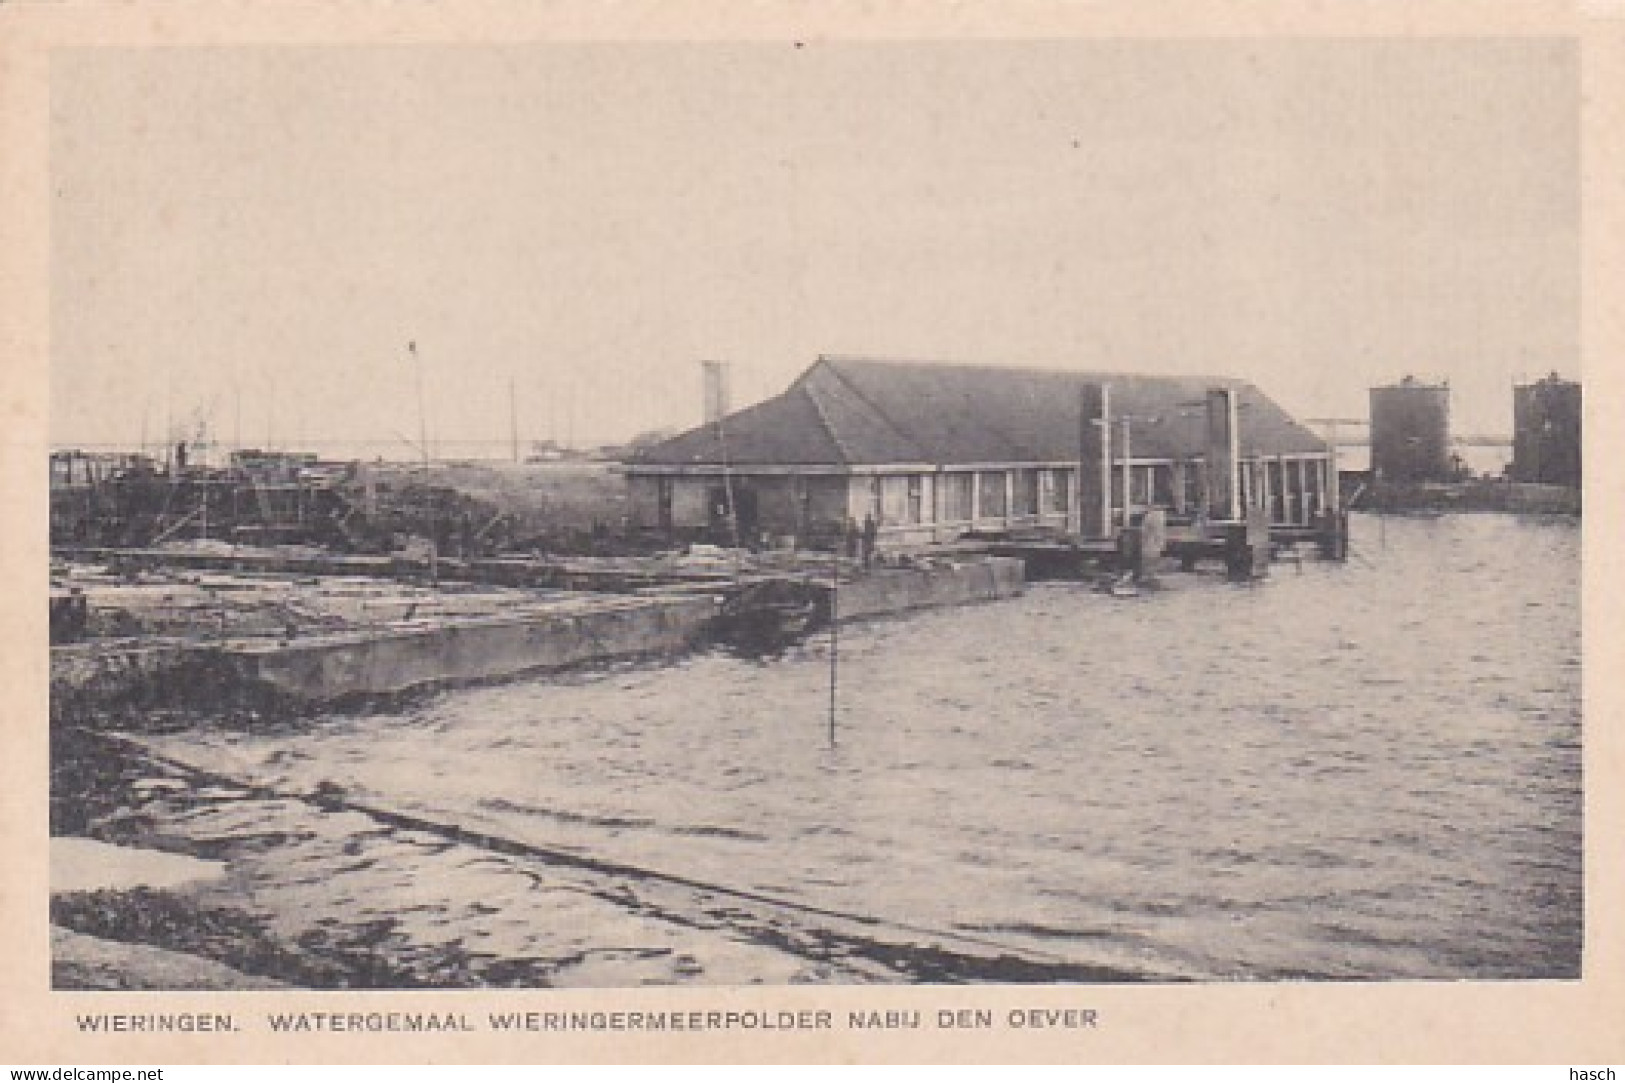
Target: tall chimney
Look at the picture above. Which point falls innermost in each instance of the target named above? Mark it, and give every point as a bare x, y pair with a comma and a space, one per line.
715, 376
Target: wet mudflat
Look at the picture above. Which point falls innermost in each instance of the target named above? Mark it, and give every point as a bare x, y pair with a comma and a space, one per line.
1367, 771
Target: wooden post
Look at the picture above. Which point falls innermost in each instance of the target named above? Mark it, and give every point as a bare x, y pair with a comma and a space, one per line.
834, 637
1105, 460
513, 418
1331, 494
1128, 474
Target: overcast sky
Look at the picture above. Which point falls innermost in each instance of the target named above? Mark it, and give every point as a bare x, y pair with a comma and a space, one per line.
271, 227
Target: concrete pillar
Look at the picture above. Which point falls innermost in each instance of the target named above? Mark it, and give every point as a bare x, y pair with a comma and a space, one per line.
1225, 495
1094, 474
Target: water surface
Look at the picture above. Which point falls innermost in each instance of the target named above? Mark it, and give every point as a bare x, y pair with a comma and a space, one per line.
1361, 771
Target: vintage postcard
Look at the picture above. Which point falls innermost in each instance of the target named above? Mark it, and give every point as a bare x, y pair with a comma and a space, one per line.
869, 533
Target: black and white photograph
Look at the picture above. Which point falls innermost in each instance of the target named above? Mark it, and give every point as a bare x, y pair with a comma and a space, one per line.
690, 514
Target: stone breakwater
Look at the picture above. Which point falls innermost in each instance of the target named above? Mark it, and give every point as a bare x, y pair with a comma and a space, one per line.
513, 634
335, 668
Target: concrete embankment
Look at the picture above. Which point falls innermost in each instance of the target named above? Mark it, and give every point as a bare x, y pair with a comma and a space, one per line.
896, 590
314, 670
355, 665
332, 660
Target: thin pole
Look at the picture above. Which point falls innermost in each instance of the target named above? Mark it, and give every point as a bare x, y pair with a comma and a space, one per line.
728, 489
423, 421
513, 418
423, 437
834, 637
169, 420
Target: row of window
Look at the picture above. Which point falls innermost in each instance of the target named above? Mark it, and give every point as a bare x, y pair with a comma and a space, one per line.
963, 496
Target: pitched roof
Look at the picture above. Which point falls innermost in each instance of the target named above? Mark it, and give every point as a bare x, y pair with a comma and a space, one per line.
852, 411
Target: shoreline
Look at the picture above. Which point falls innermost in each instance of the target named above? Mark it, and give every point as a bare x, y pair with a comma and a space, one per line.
182, 936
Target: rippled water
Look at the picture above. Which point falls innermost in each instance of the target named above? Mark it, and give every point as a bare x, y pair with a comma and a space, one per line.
1359, 771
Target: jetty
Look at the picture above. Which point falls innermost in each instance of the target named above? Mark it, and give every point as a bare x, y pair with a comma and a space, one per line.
272, 632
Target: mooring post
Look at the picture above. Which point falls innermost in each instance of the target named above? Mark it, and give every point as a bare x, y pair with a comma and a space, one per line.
1238, 555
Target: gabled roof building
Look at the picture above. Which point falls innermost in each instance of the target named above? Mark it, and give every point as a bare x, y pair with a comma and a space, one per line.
932, 451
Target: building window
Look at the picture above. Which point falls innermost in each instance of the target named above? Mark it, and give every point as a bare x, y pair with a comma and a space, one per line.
1054, 492
916, 498
1193, 486
1275, 477
663, 499
990, 502
1162, 486
893, 500
1025, 496
958, 492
